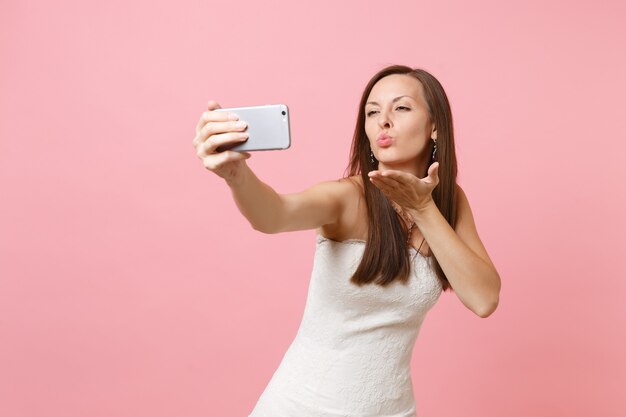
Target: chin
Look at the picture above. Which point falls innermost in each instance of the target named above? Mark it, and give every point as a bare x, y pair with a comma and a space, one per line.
391, 159
403, 162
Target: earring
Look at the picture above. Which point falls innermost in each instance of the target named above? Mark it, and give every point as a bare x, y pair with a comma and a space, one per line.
372, 157
434, 157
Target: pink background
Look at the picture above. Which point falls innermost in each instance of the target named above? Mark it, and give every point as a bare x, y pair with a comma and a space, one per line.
130, 285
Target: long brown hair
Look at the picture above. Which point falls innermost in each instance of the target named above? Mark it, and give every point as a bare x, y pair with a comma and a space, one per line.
386, 256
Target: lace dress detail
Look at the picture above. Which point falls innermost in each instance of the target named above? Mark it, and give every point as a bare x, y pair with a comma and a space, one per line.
351, 355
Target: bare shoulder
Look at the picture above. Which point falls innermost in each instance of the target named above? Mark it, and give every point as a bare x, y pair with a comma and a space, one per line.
353, 184
324, 203
351, 222
343, 188
350, 189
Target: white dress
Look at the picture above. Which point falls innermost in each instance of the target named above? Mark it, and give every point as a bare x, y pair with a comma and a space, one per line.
351, 355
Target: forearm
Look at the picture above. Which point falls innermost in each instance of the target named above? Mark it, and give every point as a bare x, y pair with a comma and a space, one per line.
257, 201
474, 281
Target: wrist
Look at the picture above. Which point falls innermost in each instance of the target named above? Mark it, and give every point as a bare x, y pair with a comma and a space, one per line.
420, 212
240, 176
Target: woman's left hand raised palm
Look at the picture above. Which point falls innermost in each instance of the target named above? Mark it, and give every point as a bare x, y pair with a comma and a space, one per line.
406, 189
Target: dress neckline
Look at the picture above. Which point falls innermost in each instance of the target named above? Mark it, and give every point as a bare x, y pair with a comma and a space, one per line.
360, 241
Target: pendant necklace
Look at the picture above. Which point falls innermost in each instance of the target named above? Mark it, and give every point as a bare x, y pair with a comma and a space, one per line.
408, 240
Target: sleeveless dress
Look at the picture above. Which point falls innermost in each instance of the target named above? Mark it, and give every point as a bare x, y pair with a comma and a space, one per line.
351, 354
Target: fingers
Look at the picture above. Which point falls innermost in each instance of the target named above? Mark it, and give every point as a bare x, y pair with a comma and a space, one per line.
395, 175
213, 123
434, 169
214, 116
212, 105
433, 173
404, 188
383, 184
386, 182
392, 179
211, 145
215, 127
209, 115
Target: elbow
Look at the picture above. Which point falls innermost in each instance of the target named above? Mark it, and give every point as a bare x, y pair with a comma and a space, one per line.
487, 309
485, 312
268, 229
491, 302
263, 229
268, 224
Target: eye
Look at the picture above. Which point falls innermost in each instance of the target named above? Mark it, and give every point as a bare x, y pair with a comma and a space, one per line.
369, 113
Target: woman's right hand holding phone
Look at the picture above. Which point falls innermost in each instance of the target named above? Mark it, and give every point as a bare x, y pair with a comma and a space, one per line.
216, 129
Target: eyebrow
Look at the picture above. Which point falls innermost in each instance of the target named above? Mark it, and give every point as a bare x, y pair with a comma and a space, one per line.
393, 101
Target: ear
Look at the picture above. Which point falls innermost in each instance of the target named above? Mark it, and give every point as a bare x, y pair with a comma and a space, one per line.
433, 135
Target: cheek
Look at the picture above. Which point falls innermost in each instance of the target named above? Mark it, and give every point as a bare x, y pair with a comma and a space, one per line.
416, 127
370, 131
417, 133
416, 136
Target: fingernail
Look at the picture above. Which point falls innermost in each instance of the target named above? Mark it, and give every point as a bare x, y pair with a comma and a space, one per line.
241, 124
232, 116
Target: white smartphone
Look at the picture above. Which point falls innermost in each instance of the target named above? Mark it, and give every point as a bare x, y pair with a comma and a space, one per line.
268, 127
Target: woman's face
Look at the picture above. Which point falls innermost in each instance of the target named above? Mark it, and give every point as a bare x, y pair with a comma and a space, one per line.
398, 125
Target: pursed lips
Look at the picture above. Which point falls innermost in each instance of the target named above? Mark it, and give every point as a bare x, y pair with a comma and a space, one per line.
384, 140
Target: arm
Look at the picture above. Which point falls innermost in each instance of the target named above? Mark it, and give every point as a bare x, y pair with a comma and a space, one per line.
461, 255
270, 212
266, 210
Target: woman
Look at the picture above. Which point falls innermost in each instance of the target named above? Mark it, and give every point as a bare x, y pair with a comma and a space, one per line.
391, 237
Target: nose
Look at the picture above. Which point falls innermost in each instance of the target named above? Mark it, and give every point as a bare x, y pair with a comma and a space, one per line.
384, 121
